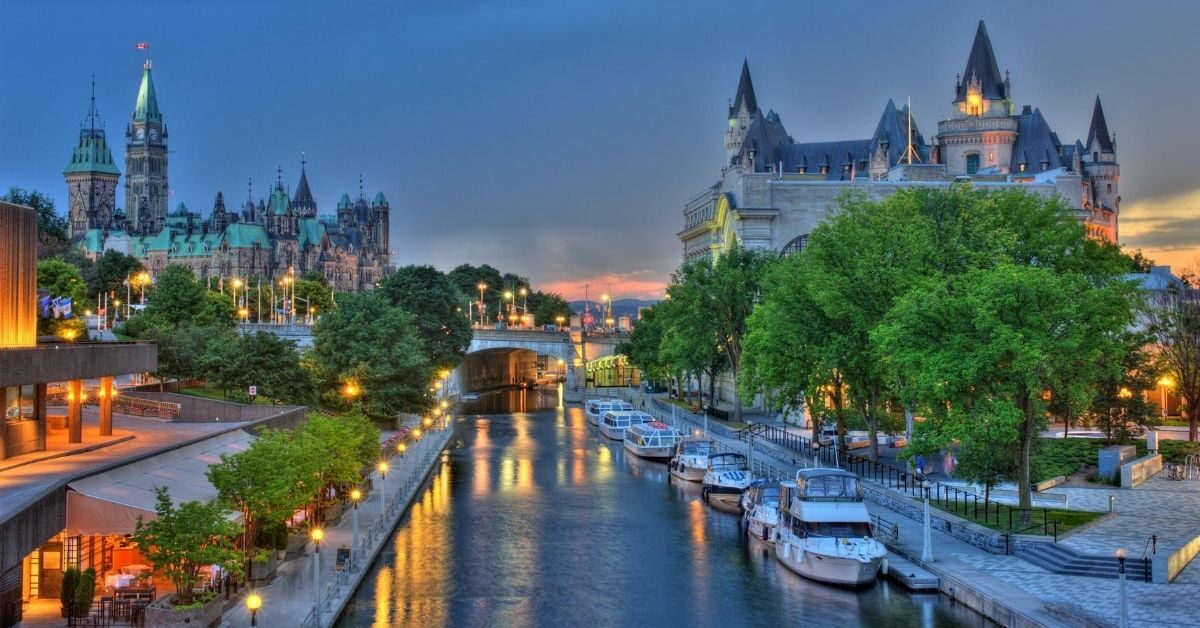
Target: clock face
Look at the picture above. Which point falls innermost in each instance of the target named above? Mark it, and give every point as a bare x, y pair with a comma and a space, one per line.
141, 133
154, 135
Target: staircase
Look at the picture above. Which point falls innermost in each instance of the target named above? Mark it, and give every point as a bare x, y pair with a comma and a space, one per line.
1060, 559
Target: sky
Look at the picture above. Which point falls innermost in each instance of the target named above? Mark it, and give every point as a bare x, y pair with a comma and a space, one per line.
559, 139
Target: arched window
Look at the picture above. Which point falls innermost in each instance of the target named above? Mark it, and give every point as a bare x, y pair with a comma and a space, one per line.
795, 246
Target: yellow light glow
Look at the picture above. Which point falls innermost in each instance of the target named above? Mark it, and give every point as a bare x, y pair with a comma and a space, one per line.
401, 447
69, 334
1166, 382
237, 283
382, 466
975, 101
254, 602
508, 294
445, 404
428, 421
524, 292
445, 373
351, 389
116, 302
318, 534
243, 312
1124, 393
416, 433
355, 494
87, 312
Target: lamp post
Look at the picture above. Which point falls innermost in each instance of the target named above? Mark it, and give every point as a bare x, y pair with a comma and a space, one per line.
253, 603
143, 279
317, 535
383, 469
1163, 384
559, 320
482, 321
401, 448
445, 407
926, 540
355, 496
1124, 618
524, 304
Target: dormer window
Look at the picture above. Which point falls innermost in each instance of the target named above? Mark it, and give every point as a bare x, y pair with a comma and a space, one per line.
802, 170
1021, 167
824, 169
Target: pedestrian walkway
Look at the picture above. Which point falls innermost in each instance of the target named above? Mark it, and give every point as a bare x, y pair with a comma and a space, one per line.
290, 598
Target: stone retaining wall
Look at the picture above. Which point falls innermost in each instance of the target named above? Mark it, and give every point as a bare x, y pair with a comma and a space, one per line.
1137, 471
1173, 557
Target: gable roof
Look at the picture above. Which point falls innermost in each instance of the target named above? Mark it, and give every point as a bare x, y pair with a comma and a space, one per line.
304, 198
981, 66
1036, 145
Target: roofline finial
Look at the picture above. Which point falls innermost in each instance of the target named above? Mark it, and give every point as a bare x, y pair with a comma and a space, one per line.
302, 161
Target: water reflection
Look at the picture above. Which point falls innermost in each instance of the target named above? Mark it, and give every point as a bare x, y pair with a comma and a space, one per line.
536, 521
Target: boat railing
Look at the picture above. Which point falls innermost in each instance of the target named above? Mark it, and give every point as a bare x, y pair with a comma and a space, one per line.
885, 529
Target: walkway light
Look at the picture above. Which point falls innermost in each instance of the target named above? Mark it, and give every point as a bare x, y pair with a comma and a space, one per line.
1124, 617
428, 421
401, 448
253, 603
416, 433
355, 496
318, 535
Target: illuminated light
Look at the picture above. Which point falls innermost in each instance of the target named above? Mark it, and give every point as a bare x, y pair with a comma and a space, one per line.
87, 312
1121, 553
1124, 393
1166, 382
318, 534
237, 283
351, 389
254, 602
401, 447
355, 494
416, 433
69, 334
428, 421
382, 466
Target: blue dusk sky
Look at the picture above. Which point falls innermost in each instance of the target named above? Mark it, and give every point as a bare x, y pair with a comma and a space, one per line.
560, 139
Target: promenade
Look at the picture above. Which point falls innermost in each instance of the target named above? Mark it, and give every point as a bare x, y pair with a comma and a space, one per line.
290, 598
1016, 592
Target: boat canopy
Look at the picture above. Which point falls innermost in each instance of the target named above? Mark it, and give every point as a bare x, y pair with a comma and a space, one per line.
827, 485
727, 462
697, 447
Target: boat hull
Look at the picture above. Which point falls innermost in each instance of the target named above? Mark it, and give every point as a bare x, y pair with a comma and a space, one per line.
761, 530
691, 474
593, 419
842, 571
649, 453
612, 432
724, 498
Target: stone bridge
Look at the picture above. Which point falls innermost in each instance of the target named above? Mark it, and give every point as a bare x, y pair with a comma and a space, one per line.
505, 357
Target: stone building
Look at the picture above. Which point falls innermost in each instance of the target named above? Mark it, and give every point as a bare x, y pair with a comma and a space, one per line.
281, 234
774, 191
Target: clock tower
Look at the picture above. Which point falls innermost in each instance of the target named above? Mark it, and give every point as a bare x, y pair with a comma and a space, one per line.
91, 178
146, 189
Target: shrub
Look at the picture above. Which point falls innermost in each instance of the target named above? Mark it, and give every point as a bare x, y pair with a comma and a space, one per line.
70, 582
84, 593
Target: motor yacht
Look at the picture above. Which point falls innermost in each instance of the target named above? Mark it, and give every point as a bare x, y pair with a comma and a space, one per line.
824, 530
654, 440
726, 478
614, 422
760, 510
691, 458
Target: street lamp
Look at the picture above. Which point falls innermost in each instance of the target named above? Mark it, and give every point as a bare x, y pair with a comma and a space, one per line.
927, 544
355, 496
244, 313
1124, 618
416, 433
383, 469
253, 603
482, 286
401, 448
428, 422
317, 535
143, 279
1164, 383
559, 320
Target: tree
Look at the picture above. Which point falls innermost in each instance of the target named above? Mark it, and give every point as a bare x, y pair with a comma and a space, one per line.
318, 296
1119, 406
374, 344
62, 279
337, 450
110, 273
178, 300
267, 483
181, 351
644, 346
435, 305
179, 541
467, 278
52, 228
548, 307
264, 360
1174, 321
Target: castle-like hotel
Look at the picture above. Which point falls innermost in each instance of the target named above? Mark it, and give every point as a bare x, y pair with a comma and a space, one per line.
275, 236
774, 191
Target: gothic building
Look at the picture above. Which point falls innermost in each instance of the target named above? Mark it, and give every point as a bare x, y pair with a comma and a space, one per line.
774, 191
281, 234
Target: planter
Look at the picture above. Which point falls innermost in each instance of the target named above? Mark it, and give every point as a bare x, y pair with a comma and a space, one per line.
161, 615
296, 543
333, 511
263, 571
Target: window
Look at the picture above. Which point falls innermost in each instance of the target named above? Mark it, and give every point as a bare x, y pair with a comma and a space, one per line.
1108, 187
795, 246
972, 163
801, 170
1021, 167
1095, 156
824, 169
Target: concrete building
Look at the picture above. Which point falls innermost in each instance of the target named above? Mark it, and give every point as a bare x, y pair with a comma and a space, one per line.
28, 365
774, 191
273, 237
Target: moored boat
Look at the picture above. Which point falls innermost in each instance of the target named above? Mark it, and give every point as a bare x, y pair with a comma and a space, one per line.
727, 477
824, 530
691, 458
760, 510
595, 408
654, 440
614, 422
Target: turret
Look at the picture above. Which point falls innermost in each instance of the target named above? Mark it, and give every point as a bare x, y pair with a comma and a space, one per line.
1100, 161
980, 136
345, 215
380, 223
146, 186
219, 218
302, 201
742, 111
91, 178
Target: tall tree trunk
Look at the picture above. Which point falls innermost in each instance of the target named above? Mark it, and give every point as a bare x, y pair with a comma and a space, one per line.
1025, 458
839, 410
737, 397
1193, 416
712, 389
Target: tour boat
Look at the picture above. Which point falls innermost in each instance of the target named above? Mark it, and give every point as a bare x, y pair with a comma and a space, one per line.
824, 530
654, 440
614, 422
691, 458
595, 408
760, 510
727, 476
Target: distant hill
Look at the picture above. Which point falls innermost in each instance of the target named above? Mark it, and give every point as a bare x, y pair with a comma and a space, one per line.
620, 307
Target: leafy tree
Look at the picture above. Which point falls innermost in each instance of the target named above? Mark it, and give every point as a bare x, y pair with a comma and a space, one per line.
181, 351
265, 360
267, 483
369, 341
319, 296
179, 541
52, 228
434, 303
62, 279
1174, 320
644, 346
178, 300
547, 307
467, 278
337, 450
1119, 406
110, 273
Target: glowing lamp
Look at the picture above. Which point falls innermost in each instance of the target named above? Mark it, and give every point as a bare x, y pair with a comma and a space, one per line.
355, 494
254, 602
318, 534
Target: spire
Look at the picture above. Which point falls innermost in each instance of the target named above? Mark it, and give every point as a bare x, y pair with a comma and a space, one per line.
360, 188
93, 117
146, 109
981, 66
745, 93
1099, 130
303, 199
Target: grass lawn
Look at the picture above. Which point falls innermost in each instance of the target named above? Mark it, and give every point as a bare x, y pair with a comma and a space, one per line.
1177, 451
996, 517
213, 393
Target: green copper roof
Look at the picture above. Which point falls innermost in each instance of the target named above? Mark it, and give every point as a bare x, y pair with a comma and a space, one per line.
146, 109
279, 201
92, 155
380, 201
312, 232
344, 202
243, 235
160, 242
93, 241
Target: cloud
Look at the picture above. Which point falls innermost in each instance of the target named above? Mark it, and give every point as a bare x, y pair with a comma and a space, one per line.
1166, 228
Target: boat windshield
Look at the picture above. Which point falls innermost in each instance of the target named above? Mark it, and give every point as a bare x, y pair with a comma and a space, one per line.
727, 462
830, 488
769, 496
698, 448
833, 529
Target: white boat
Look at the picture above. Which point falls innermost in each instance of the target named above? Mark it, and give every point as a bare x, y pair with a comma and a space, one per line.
468, 397
691, 458
726, 478
654, 440
760, 510
824, 530
614, 422
595, 408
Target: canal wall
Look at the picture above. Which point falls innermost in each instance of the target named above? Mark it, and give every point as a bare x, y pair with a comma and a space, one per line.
409, 473
1004, 605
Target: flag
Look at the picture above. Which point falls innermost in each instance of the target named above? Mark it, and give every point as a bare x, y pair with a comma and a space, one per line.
44, 306
141, 45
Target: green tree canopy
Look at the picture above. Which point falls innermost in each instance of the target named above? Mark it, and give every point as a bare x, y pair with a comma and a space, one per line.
318, 294
435, 305
110, 273
63, 279
178, 300
52, 228
375, 344
234, 363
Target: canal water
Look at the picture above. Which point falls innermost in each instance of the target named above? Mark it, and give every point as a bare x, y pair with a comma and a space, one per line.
535, 519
